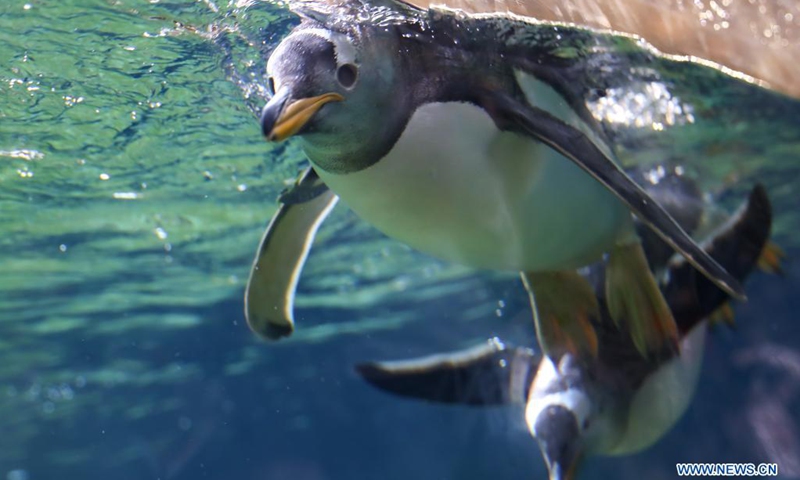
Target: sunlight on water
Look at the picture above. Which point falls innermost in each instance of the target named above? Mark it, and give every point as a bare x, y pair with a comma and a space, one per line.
649, 105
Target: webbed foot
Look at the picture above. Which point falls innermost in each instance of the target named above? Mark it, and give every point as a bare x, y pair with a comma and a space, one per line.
563, 305
772, 259
636, 303
724, 315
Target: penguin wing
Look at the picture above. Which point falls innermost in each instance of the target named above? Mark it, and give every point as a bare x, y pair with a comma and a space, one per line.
671, 28
269, 296
683, 200
574, 144
738, 246
489, 374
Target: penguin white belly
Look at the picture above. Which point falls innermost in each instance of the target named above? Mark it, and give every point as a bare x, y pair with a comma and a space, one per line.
664, 397
458, 188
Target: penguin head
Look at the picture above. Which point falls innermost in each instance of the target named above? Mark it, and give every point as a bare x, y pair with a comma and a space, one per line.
336, 92
560, 412
558, 430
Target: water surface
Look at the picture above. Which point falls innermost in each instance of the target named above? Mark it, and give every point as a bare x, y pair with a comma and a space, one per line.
134, 186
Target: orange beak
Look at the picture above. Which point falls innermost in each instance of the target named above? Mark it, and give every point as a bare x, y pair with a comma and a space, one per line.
281, 119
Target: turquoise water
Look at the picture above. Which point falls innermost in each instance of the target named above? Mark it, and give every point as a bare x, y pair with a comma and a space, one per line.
134, 186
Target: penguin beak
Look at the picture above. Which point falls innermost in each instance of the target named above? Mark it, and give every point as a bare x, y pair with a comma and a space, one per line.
283, 117
558, 435
567, 472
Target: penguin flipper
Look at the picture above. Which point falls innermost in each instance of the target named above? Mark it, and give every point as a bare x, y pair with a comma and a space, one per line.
563, 304
269, 296
739, 246
578, 147
680, 196
489, 374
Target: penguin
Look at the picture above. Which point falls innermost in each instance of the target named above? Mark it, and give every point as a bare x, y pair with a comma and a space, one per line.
470, 140
618, 402
678, 30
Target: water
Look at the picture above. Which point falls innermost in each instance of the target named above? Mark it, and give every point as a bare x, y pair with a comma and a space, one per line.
134, 186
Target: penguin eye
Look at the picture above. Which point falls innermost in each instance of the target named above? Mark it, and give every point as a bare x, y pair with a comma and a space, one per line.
271, 85
347, 75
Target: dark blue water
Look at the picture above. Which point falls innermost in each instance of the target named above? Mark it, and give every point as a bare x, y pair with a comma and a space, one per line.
300, 412
134, 185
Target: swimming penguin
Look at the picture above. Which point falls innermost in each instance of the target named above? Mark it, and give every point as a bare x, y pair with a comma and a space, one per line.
680, 29
616, 403
470, 140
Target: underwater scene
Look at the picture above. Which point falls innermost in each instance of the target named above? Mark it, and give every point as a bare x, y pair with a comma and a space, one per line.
136, 184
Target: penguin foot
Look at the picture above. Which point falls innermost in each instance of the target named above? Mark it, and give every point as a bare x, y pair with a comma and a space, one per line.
771, 259
723, 316
635, 301
563, 305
